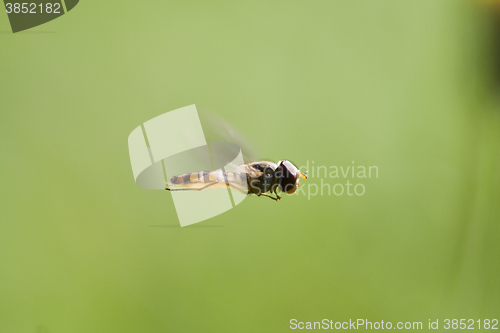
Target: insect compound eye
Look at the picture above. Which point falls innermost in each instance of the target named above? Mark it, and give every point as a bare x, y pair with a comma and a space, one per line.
289, 177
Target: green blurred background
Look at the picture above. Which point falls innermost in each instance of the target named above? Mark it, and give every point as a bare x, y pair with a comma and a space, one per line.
403, 85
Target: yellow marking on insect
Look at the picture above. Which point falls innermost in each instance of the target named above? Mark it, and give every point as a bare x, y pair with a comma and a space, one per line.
212, 176
193, 177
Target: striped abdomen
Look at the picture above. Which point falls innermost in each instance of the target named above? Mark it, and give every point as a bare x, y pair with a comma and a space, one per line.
207, 177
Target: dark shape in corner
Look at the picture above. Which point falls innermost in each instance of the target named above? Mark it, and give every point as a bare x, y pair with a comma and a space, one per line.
35, 12
70, 4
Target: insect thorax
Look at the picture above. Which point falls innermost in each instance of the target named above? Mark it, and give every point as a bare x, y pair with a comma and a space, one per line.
267, 179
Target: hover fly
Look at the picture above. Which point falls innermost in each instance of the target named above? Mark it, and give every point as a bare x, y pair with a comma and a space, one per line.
252, 178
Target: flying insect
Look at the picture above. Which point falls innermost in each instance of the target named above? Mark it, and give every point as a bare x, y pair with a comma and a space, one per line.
262, 178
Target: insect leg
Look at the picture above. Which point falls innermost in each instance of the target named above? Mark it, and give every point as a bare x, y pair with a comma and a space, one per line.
267, 195
277, 196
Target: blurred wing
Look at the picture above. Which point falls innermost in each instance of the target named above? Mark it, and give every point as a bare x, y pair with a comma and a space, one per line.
217, 129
